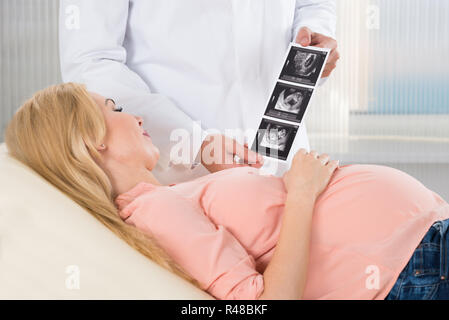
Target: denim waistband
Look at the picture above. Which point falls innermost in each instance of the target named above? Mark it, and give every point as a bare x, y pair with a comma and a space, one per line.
442, 228
423, 267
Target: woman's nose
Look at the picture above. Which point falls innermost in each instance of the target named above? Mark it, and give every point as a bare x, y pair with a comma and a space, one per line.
139, 120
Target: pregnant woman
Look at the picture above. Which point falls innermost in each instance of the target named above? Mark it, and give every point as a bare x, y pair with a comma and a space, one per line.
319, 232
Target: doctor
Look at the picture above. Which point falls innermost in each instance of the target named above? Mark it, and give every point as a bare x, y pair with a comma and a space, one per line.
191, 66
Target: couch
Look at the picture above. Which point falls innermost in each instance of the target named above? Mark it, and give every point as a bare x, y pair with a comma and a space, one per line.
51, 248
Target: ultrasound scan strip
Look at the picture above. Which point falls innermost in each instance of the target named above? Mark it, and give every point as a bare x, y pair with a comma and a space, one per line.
275, 139
303, 66
289, 100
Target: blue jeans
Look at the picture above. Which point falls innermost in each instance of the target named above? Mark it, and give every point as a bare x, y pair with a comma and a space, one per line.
426, 277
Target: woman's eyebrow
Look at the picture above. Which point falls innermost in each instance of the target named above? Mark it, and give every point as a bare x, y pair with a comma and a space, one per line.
106, 101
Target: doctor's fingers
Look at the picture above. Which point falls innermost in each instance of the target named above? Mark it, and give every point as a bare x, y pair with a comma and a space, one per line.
331, 63
328, 70
334, 56
260, 159
247, 155
322, 41
304, 36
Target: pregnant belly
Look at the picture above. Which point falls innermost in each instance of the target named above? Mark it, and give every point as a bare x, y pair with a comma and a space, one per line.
367, 202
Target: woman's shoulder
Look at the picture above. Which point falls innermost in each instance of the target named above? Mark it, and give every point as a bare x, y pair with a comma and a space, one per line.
146, 196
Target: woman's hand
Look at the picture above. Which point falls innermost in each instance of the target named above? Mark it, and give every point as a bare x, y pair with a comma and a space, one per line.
309, 173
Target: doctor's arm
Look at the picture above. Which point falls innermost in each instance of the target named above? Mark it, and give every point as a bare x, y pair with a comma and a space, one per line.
315, 25
91, 35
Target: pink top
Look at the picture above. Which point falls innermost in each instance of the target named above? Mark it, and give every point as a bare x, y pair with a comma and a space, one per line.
222, 228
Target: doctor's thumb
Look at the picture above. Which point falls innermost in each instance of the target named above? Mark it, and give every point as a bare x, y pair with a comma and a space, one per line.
304, 36
248, 156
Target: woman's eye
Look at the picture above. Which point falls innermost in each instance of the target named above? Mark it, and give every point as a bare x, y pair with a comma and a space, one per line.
118, 109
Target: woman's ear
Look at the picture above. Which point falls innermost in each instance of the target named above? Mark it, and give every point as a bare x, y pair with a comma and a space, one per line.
99, 148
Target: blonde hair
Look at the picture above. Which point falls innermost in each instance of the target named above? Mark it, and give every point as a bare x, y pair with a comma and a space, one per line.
56, 133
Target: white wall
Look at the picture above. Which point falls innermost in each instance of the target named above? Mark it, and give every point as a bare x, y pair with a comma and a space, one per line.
29, 52
387, 102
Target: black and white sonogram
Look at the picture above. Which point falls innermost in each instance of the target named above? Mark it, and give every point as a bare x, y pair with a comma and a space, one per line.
274, 139
303, 65
288, 102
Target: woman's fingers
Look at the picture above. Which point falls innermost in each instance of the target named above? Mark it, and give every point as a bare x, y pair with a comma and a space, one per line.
333, 165
314, 154
324, 158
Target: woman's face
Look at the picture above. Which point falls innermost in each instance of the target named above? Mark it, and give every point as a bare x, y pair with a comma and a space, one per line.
126, 142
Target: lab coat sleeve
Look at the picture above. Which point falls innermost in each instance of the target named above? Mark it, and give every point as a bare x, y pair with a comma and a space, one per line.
318, 15
91, 35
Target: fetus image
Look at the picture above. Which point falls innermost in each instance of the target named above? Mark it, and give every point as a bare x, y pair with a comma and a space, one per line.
305, 63
303, 66
290, 100
275, 137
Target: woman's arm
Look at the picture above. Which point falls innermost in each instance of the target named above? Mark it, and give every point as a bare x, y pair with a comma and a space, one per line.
285, 275
207, 252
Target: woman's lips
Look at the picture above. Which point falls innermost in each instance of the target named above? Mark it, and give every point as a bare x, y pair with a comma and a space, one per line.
146, 134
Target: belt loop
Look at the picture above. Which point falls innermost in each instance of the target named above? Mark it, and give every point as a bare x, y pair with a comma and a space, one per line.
444, 247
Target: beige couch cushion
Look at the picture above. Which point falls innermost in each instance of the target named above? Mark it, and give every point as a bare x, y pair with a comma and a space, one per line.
51, 248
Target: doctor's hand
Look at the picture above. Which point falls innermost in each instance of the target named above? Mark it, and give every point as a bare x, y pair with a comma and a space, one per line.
218, 151
306, 37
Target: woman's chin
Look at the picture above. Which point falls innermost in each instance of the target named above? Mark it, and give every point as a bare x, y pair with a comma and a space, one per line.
156, 156
152, 164
157, 152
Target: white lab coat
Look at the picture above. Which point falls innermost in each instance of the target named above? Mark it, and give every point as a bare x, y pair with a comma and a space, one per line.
175, 62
